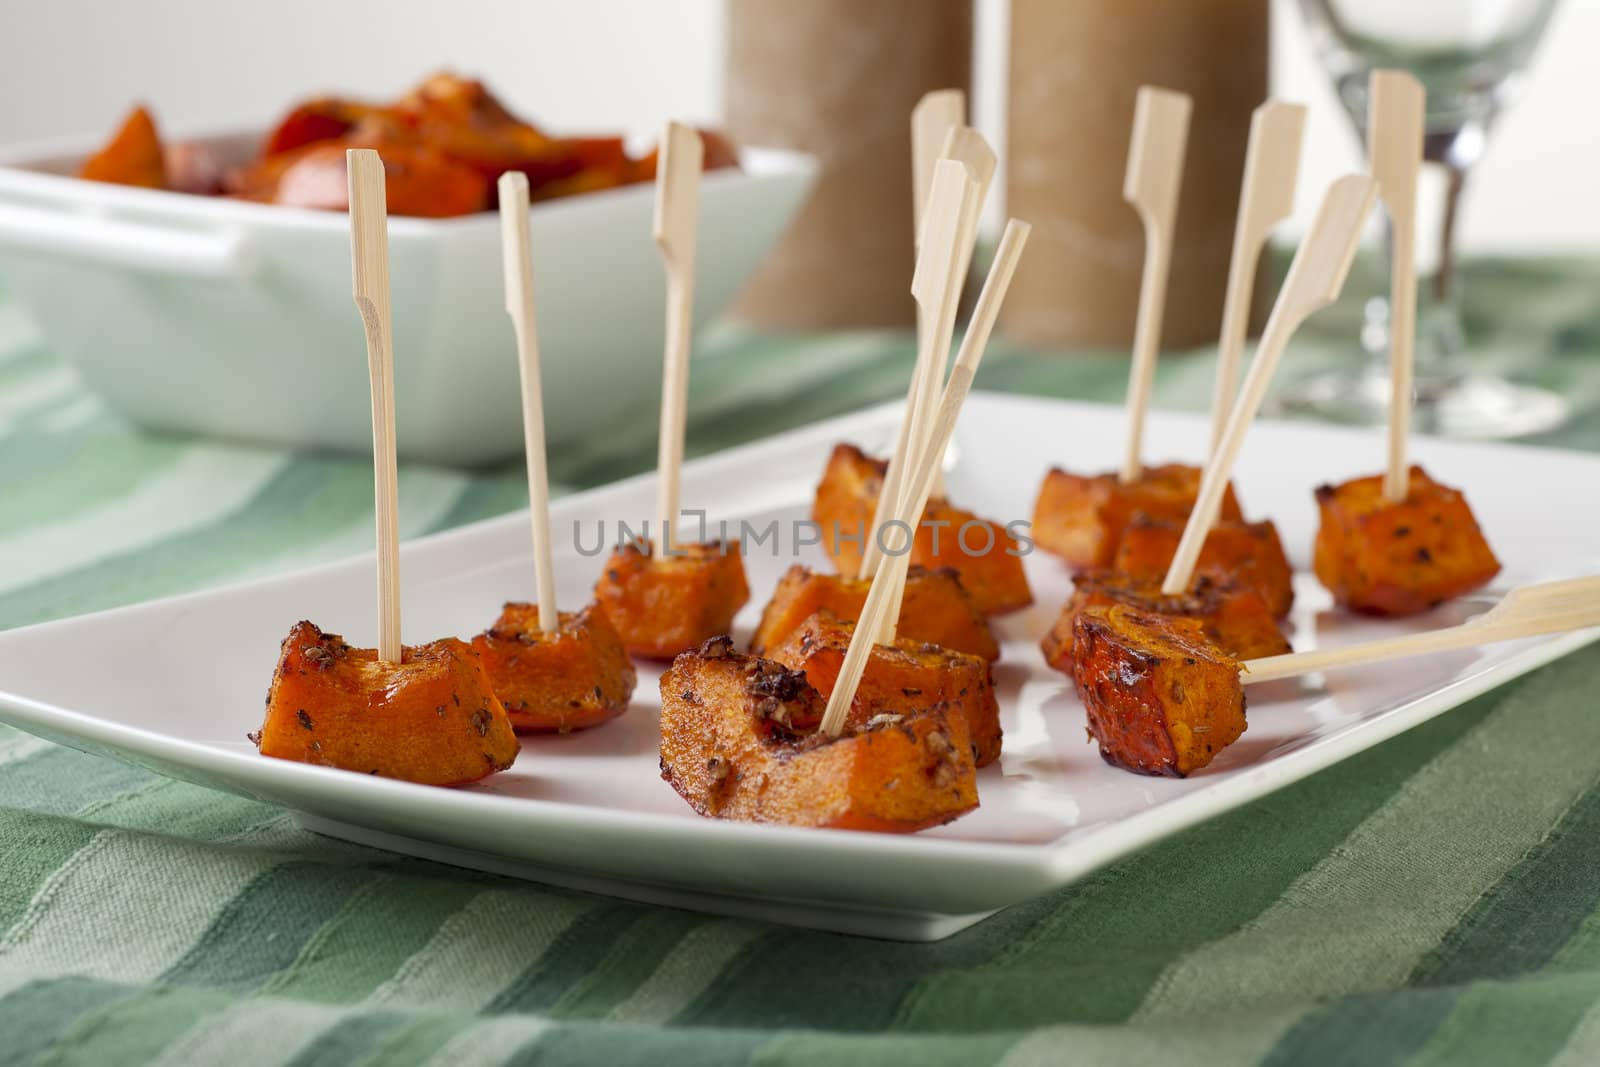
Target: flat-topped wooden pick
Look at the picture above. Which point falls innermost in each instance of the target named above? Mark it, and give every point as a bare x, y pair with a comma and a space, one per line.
677, 212
1266, 198
914, 494
976, 342
369, 259
931, 286
932, 119
1155, 172
517, 257
1314, 280
882, 607
1395, 127
966, 146
1527, 611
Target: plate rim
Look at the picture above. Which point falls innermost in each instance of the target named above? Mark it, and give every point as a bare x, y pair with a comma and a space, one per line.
1028, 867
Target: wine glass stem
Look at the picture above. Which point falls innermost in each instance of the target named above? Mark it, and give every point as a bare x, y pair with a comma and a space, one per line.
1444, 278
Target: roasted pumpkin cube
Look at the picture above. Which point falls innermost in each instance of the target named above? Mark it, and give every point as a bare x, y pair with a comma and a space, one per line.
739, 740
1081, 517
431, 718
664, 605
986, 556
908, 675
133, 156
1249, 554
1232, 617
935, 609
577, 677
1384, 558
1160, 696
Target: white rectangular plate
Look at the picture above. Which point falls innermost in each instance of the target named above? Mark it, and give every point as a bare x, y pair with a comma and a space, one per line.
178, 682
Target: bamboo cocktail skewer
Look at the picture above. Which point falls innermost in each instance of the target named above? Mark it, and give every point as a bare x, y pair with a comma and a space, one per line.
1272, 163
1527, 611
931, 286
925, 480
883, 599
1314, 280
965, 145
677, 211
935, 115
369, 255
518, 265
1394, 146
1155, 171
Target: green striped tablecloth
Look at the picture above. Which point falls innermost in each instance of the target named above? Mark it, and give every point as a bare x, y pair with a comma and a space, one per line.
1434, 901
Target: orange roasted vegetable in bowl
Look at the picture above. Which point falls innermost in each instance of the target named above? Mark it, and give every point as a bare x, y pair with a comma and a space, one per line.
444, 144
432, 718
418, 181
1385, 558
935, 609
667, 604
325, 118
133, 156
739, 740
1248, 554
577, 677
1082, 517
985, 555
1160, 697
907, 676
1233, 617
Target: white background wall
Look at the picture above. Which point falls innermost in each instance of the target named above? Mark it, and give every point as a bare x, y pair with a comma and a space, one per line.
68, 66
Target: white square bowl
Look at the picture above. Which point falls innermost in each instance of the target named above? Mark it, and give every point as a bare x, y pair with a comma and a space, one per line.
223, 318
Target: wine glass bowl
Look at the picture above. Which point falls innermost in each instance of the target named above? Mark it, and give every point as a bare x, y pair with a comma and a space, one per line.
1470, 56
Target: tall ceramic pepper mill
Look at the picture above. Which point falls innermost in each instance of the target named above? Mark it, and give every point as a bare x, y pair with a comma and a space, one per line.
838, 79
1075, 71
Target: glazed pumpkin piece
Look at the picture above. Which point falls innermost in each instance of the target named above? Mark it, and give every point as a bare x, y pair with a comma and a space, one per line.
907, 676
935, 609
739, 740
666, 605
322, 119
986, 557
418, 181
1248, 553
1233, 617
1082, 517
603, 163
844, 504
580, 676
468, 123
133, 156
1402, 558
1160, 697
431, 718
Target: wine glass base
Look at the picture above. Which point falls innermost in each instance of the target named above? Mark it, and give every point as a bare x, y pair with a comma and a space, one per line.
1472, 406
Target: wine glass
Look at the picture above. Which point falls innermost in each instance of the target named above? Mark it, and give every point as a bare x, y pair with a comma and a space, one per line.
1469, 56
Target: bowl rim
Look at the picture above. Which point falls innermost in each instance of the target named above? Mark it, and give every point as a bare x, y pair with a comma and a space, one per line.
21, 176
